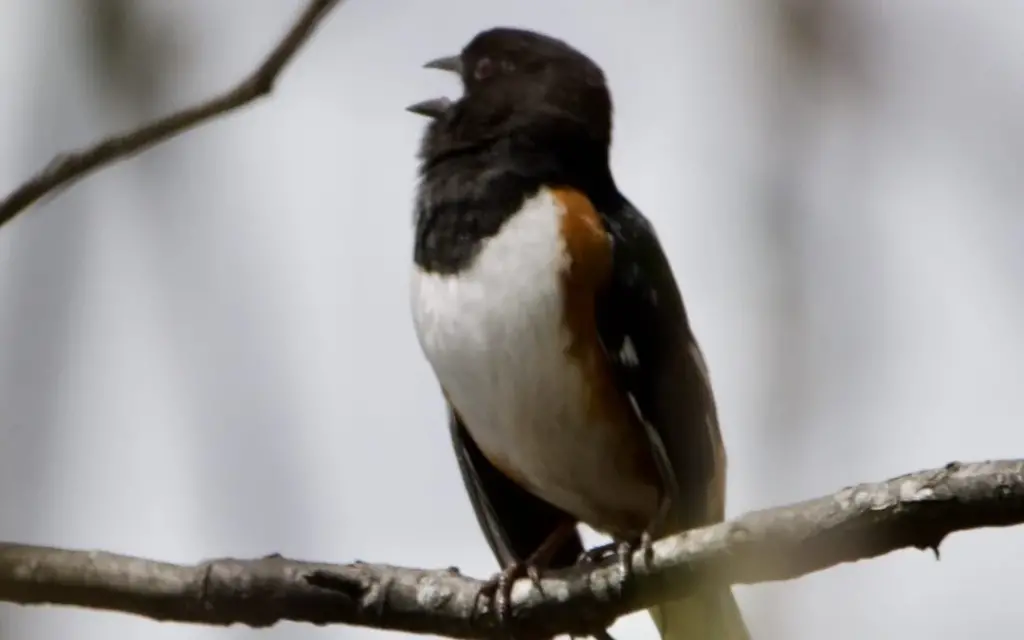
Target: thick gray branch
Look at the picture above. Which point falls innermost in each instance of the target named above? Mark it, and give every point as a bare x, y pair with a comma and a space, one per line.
916, 510
70, 166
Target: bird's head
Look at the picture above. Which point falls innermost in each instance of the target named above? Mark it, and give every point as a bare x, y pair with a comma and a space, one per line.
517, 82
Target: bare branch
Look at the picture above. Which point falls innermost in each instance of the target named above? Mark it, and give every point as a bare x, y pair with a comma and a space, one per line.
73, 165
915, 510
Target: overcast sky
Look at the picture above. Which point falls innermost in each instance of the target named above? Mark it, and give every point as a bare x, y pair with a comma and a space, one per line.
207, 350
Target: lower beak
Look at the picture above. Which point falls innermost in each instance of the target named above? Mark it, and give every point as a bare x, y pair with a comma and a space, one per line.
433, 108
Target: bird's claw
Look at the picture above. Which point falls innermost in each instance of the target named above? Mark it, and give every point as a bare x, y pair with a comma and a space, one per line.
623, 551
597, 554
499, 588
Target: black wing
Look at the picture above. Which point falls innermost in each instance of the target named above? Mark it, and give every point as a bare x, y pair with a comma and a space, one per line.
645, 332
514, 521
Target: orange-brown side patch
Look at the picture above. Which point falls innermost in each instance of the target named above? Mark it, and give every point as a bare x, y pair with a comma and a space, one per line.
590, 264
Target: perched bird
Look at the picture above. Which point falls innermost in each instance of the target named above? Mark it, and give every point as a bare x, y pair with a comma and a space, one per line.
549, 313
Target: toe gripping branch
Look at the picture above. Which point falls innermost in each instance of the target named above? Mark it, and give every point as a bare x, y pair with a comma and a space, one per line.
499, 586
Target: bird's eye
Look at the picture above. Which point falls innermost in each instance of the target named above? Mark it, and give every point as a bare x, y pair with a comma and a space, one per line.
484, 69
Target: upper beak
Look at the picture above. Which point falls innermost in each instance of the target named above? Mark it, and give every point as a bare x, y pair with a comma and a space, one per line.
448, 63
435, 107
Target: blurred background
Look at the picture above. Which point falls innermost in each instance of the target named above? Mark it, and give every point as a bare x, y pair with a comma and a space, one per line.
207, 350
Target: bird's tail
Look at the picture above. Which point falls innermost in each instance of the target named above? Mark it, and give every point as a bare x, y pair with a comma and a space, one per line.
711, 615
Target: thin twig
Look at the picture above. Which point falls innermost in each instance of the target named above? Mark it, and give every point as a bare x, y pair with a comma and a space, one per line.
67, 167
869, 520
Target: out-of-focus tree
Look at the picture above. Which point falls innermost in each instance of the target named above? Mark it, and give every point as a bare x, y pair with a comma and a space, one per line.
122, 50
131, 48
812, 70
815, 76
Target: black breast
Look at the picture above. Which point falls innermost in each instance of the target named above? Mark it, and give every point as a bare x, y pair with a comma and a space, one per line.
462, 201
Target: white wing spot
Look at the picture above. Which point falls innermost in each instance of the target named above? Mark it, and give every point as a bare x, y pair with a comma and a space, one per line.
627, 355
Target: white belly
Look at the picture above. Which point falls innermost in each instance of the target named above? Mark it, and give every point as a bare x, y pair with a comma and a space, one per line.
495, 337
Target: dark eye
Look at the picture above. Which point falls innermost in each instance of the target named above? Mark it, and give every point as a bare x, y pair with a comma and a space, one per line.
484, 69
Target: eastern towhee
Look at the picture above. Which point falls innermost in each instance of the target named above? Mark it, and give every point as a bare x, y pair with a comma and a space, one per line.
550, 315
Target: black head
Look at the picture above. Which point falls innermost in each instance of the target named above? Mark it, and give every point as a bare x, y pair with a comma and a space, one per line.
518, 83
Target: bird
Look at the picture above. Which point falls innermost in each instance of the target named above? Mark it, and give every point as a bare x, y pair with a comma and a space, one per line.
541, 297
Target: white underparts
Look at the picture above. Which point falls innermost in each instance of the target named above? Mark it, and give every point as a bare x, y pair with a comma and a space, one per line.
495, 336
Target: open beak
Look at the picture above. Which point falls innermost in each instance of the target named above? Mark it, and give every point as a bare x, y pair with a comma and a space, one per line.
436, 107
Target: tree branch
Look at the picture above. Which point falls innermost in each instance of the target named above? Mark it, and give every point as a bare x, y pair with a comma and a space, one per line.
865, 521
73, 165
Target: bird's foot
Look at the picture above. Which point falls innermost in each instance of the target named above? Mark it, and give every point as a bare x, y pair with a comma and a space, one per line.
622, 550
625, 553
597, 555
499, 588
